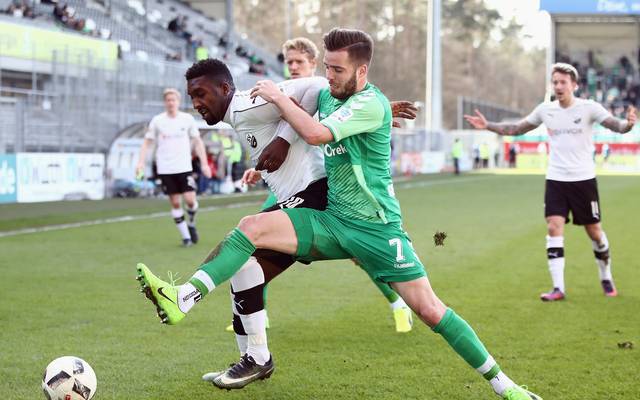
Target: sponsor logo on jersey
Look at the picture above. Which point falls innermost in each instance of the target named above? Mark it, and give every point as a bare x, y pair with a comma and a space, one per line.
331, 151
566, 131
577, 120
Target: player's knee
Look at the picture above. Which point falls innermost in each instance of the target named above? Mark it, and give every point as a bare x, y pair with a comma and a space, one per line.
554, 228
250, 227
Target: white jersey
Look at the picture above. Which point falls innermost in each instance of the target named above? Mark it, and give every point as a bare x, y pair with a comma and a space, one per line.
570, 137
173, 141
260, 122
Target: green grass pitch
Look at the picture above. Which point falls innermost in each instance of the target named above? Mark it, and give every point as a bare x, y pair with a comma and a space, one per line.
73, 292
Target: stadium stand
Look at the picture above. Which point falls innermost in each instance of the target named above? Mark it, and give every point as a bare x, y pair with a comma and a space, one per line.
74, 100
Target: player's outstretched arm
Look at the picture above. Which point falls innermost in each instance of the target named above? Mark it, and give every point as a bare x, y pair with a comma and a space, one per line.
478, 121
621, 125
310, 130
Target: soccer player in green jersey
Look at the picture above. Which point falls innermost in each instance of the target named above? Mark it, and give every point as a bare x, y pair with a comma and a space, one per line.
362, 219
301, 57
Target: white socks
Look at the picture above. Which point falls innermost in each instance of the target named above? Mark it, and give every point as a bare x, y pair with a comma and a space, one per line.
602, 248
500, 382
555, 258
188, 296
398, 304
256, 327
181, 224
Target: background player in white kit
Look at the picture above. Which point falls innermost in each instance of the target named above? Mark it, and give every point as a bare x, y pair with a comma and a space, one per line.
571, 178
174, 132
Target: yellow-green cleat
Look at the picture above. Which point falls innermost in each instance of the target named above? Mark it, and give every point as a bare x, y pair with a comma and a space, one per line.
519, 393
404, 319
162, 294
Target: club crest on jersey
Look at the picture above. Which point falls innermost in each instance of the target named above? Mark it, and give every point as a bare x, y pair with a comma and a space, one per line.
253, 142
332, 151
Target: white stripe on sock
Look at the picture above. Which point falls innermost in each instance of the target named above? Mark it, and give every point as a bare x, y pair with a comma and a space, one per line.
486, 366
206, 279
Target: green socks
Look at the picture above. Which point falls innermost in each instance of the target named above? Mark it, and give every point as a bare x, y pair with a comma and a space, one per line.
223, 262
461, 337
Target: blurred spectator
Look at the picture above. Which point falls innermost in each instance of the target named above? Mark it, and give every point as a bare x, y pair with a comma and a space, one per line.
513, 154
20, 9
484, 154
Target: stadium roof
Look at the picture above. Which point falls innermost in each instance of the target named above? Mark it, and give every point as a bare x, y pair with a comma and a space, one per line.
591, 7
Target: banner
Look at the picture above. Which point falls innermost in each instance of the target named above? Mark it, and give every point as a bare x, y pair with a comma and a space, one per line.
8, 178
621, 7
26, 42
59, 176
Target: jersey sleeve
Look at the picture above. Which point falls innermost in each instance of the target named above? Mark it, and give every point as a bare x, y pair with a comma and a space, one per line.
598, 112
305, 92
285, 131
152, 130
361, 113
535, 118
193, 127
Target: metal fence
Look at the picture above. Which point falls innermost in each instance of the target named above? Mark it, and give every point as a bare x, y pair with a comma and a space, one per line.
81, 104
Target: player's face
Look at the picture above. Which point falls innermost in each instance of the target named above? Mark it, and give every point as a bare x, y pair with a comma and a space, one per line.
209, 98
300, 64
171, 103
341, 73
563, 86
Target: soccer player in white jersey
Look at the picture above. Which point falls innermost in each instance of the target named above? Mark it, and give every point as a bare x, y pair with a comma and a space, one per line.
174, 132
301, 57
298, 180
571, 185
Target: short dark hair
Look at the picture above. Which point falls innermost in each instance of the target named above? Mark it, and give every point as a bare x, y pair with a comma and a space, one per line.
212, 68
356, 43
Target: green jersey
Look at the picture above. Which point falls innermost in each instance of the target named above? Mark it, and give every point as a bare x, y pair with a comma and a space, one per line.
357, 161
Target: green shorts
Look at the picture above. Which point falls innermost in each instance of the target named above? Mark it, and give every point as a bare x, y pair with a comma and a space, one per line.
384, 251
270, 201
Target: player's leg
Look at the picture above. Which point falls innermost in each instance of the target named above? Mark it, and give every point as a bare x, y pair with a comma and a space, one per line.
555, 257
272, 230
192, 208
248, 299
178, 217
401, 312
600, 245
585, 207
459, 335
556, 211
386, 253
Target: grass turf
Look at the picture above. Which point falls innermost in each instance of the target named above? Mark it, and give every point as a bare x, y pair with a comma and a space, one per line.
72, 292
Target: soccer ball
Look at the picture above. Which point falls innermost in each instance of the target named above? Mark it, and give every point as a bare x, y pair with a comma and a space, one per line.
69, 378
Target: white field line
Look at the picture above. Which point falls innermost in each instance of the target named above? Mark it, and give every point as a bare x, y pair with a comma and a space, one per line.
164, 214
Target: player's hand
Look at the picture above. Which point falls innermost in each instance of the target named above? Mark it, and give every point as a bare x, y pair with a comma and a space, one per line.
273, 155
206, 171
139, 171
251, 177
266, 89
478, 121
403, 109
631, 116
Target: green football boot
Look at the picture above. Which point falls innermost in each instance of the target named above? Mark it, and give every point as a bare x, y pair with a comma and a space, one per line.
519, 393
162, 294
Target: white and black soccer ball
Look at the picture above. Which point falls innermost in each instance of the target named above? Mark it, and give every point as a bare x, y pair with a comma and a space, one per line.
69, 378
